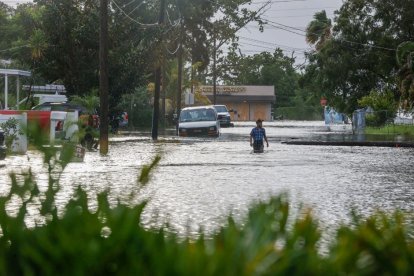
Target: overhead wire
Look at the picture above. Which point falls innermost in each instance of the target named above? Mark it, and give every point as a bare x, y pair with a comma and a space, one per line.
124, 5
132, 19
134, 9
273, 44
300, 9
169, 20
286, 28
277, 1
173, 52
270, 48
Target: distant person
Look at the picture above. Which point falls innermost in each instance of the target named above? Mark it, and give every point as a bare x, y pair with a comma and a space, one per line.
88, 139
257, 135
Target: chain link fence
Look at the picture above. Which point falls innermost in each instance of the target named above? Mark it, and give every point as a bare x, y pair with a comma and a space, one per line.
363, 118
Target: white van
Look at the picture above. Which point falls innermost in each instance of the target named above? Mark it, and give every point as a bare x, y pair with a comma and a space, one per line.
199, 121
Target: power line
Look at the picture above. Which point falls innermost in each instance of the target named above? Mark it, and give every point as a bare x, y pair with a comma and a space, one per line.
300, 9
272, 44
130, 18
134, 9
124, 5
173, 52
169, 20
286, 28
274, 48
277, 1
255, 45
295, 16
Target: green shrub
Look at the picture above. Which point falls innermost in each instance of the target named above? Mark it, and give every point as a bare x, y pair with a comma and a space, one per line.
111, 241
375, 119
295, 113
383, 105
11, 132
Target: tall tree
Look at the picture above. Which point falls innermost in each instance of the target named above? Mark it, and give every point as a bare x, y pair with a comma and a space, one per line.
265, 69
5, 30
405, 59
360, 56
319, 30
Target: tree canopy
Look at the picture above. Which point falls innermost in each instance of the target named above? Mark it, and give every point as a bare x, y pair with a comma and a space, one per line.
58, 40
360, 55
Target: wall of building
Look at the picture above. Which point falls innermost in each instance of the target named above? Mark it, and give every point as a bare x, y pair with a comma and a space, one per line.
249, 111
249, 102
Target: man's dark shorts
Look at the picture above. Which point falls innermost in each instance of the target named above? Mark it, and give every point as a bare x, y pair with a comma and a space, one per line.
258, 145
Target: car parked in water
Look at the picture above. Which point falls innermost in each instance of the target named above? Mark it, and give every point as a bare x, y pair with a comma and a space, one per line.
199, 121
223, 115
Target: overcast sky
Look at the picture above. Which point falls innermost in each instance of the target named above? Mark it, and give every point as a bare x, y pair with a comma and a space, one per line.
288, 21
292, 16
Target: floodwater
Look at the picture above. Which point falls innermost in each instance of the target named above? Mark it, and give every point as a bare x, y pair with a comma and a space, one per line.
200, 181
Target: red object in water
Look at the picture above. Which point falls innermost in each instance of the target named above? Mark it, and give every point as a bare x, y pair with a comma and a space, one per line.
42, 118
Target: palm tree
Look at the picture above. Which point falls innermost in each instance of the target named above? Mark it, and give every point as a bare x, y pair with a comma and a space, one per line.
89, 101
405, 60
319, 30
37, 44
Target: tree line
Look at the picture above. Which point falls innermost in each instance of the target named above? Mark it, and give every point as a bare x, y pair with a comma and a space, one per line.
364, 56
366, 51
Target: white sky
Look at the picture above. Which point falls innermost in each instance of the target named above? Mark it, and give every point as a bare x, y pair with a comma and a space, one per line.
295, 15
291, 15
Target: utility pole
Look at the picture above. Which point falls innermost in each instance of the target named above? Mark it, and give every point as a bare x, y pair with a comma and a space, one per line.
180, 71
103, 77
214, 67
156, 110
164, 88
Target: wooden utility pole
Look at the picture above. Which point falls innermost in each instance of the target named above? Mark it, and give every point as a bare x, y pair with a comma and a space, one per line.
103, 77
164, 88
180, 71
214, 67
156, 109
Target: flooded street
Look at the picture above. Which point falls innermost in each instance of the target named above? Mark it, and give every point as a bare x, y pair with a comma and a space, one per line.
199, 181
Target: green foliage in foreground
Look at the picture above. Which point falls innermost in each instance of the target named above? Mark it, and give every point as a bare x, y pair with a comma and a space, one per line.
407, 130
110, 239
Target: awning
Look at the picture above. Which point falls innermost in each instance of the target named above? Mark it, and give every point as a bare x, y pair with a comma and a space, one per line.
12, 72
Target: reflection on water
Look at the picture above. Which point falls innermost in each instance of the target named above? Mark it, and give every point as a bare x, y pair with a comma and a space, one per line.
199, 181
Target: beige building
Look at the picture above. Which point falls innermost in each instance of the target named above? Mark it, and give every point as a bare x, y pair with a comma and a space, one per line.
248, 102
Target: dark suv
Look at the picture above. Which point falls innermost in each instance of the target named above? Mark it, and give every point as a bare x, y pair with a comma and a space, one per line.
223, 115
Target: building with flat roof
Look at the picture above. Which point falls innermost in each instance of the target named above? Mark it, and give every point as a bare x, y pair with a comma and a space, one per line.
248, 102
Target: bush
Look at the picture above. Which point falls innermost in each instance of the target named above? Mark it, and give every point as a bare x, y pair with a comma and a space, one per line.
111, 240
138, 107
295, 113
383, 105
11, 131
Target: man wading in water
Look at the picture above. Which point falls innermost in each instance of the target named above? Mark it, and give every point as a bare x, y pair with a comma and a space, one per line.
256, 137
